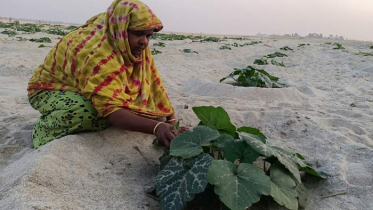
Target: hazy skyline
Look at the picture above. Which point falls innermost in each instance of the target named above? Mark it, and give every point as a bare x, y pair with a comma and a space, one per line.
352, 19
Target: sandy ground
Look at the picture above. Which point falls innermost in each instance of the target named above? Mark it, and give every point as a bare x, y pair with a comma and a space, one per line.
325, 114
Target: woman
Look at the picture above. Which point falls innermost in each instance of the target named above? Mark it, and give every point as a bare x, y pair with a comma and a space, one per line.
100, 74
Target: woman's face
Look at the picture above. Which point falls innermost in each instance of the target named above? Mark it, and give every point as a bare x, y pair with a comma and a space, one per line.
139, 40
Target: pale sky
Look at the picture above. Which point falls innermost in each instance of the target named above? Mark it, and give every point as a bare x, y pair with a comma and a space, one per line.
349, 18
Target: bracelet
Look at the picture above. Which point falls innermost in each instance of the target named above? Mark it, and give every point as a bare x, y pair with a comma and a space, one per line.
171, 120
155, 127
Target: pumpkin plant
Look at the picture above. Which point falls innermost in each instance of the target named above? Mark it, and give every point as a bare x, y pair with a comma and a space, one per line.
277, 63
159, 44
252, 77
286, 48
217, 155
155, 51
188, 51
338, 46
225, 47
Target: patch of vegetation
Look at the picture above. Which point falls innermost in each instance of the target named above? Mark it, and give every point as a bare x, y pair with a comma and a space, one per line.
277, 63
188, 51
235, 164
252, 77
160, 44
302, 45
9, 33
211, 39
286, 48
43, 39
155, 51
261, 61
338, 46
236, 38
328, 43
246, 44
225, 47
41, 46
371, 47
70, 28
29, 28
56, 31
276, 54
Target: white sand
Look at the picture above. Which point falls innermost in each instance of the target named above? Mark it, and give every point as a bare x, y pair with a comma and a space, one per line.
102, 170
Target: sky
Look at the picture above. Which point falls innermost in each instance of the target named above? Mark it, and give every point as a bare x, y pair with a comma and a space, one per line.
352, 19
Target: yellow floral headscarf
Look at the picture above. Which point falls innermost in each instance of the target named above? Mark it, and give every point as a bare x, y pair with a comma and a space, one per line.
96, 61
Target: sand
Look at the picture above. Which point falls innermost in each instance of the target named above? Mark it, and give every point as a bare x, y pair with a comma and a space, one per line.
325, 114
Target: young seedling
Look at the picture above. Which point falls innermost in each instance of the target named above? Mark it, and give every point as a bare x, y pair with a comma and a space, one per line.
276, 54
262, 61
155, 51
338, 47
302, 45
188, 51
160, 44
41, 46
286, 48
218, 157
277, 63
225, 47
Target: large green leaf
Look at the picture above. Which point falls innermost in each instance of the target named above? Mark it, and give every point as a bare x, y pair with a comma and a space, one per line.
302, 195
240, 150
253, 131
189, 143
269, 151
283, 187
215, 117
164, 159
222, 140
181, 179
238, 188
303, 165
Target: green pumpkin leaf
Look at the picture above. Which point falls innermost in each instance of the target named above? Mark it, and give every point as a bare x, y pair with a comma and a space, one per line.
283, 187
240, 150
302, 195
181, 179
238, 188
164, 159
300, 161
215, 117
269, 151
253, 131
222, 140
189, 143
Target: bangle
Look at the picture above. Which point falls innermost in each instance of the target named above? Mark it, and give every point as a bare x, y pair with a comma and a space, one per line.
171, 120
155, 127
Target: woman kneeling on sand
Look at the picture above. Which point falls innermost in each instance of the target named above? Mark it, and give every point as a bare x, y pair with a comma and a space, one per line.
100, 74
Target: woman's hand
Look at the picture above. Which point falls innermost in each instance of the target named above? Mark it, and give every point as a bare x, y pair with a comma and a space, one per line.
164, 134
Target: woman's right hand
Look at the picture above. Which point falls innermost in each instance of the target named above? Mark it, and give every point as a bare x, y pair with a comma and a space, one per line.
164, 134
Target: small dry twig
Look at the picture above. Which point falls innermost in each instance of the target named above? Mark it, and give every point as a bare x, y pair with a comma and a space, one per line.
344, 192
142, 154
152, 196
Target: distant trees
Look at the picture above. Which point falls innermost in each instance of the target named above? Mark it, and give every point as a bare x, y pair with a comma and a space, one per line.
310, 35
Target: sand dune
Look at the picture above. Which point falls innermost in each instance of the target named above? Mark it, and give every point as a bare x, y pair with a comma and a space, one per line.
325, 113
